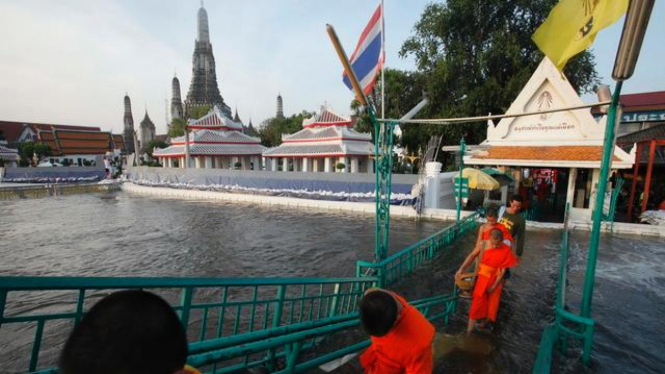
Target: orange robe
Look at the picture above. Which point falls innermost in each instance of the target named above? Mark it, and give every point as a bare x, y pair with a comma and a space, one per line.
483, 303
406, 348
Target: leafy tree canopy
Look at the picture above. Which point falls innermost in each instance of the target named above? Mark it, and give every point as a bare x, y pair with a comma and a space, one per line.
198, 111
473, 58
272, 129
177, 128
155, 144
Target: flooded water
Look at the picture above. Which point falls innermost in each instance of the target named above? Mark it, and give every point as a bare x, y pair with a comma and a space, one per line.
124, 235
119, 234
628, 306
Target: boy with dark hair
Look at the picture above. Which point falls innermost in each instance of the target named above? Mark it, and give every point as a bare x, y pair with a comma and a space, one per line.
128, 332
401, 336
487, 292
515, 223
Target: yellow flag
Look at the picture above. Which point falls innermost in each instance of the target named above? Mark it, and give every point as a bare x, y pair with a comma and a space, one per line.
572, 26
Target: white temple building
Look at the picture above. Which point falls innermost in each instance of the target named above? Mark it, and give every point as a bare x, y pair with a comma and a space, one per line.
215, 142
327, 143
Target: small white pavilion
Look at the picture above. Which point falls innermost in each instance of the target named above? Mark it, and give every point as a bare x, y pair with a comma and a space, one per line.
326, 142
566, 146
215, 142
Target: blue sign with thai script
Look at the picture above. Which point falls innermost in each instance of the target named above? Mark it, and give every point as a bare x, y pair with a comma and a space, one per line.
650, 116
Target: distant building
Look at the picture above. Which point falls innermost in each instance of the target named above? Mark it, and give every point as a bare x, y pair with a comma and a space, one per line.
216, 142
147, 131
326, 140
280, 107
128, 121
203, 89
77, 144
640, 111
20, 132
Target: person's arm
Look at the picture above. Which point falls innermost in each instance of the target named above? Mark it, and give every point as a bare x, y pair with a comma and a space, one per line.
479, 240
468, 260
498, 279
519, 238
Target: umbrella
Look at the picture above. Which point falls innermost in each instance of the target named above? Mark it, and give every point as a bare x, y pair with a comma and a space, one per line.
501, 177
479, 180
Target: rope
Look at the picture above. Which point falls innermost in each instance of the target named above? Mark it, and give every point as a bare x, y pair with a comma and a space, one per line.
451, 121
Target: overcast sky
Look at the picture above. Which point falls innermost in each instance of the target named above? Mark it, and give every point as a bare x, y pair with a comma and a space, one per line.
71, 62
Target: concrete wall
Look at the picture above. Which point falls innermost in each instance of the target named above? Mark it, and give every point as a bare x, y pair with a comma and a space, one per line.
404, 179
52, 174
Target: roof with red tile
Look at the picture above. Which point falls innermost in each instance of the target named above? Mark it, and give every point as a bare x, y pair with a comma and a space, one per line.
12, 130
69, 142
559, 153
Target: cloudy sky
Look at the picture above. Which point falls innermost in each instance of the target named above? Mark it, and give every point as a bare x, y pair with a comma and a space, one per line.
71, 62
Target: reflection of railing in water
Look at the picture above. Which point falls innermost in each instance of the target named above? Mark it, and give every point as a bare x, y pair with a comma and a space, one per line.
566, 324
212, 307
396, 267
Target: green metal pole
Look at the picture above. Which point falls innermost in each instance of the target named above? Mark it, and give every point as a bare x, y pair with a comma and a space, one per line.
608, 151
462, 148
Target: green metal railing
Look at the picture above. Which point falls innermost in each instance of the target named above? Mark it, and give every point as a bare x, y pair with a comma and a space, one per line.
566, 324
210, 308
297, 347
396, 267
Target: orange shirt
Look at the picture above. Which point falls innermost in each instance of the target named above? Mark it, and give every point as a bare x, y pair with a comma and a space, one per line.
406, 348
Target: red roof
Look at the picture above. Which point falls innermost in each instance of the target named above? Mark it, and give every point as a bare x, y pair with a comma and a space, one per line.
326, 117
652, 100
12, 130
69, 142
558, 153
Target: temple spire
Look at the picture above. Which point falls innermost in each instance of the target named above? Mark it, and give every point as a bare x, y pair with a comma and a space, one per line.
202, 26
280, 106
128, 120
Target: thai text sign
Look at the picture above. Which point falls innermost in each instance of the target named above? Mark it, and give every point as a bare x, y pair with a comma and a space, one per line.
650, 116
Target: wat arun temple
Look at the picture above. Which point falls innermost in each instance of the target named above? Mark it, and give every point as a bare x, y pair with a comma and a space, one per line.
203, 89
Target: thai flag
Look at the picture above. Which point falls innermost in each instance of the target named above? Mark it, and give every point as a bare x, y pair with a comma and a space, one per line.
369, 55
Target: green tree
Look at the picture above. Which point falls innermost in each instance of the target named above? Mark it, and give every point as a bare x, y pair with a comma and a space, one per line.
43, 150
154, 144
177, 128
271, 130
198, 111
473, 58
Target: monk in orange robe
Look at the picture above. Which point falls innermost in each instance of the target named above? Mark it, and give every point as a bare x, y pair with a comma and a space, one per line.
489, 280
401, 336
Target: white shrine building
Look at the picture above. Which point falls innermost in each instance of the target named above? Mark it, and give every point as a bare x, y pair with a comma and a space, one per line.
565, 146
327, 143
215, 142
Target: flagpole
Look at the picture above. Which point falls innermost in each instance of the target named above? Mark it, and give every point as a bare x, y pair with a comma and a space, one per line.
383, 63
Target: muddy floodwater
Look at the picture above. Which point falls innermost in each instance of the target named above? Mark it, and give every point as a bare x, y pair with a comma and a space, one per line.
118, 234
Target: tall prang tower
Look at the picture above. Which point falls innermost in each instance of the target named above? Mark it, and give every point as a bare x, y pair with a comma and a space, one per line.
203, 89
128, 132
280, 106
176, 101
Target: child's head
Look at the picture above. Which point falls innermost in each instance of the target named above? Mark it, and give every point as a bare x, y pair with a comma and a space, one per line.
491, 215
496, 237
128, 332
378, 312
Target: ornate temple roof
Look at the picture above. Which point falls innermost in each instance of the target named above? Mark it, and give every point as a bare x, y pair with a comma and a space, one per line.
8, 154
326, 117
316, 134
215, 120
70, 142
325, 134
327, 149
214, 143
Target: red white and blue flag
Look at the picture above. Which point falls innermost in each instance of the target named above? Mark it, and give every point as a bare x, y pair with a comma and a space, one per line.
368, 57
